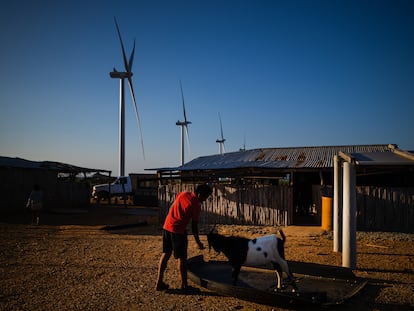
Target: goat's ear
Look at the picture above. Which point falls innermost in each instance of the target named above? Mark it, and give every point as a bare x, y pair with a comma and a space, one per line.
282, 234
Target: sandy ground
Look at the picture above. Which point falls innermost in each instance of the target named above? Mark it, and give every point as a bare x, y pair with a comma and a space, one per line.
69, 263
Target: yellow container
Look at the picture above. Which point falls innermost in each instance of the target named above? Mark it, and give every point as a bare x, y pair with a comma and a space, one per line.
327, 213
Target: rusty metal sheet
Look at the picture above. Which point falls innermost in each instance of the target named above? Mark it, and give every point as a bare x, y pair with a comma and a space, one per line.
278, 158
328, 286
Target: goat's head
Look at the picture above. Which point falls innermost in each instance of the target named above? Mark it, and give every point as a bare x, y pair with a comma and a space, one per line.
212, 239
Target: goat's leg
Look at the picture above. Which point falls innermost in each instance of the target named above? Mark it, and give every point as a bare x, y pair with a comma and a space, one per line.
279, 274
235, 274
291, 280
284, 267
279, 280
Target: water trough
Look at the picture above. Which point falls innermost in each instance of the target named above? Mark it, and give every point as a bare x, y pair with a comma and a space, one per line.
318, 285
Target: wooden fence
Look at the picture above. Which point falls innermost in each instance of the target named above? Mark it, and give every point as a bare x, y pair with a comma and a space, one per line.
252, 204
378, 208
385, 209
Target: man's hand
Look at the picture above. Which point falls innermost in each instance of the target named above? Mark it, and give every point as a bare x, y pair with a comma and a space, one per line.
194, 227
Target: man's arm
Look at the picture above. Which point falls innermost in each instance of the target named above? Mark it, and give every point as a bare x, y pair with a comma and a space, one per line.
194, 228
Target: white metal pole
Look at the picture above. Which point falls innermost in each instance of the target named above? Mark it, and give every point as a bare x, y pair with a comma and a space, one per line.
337, 203
349, 217
121, 128
182, 144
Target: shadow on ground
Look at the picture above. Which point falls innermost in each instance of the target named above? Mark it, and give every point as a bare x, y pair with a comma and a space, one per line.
95, 215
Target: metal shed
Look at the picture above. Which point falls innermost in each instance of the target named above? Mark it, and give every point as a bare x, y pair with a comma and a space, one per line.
307, 171
57, 180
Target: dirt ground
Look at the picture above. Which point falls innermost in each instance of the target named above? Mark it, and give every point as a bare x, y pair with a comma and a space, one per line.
69, 262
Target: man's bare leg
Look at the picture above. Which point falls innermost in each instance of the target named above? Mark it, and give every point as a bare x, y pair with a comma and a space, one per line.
182, 267
162, 266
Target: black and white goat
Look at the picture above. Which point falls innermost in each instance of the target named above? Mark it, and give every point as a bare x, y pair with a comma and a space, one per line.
256, 252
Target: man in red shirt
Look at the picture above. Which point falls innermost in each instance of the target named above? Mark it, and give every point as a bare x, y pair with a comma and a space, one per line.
186, 207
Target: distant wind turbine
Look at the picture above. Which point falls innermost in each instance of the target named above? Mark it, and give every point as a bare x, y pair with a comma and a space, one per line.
183, 124
244, 144
222, 140
121, 75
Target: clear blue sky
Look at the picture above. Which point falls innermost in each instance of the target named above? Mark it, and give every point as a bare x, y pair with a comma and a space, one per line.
280, 73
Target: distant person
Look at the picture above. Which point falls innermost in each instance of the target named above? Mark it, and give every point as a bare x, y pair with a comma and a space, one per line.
35, 203
186, 207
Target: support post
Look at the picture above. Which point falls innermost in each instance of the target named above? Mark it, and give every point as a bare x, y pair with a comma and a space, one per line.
121, 128
182, 145
349, 217
337, 206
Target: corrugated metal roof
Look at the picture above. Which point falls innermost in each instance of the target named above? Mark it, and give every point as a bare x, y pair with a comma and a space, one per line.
380, 158
49, 165
291, 158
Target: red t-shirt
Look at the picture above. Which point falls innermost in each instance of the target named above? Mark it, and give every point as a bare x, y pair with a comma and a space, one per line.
186, 207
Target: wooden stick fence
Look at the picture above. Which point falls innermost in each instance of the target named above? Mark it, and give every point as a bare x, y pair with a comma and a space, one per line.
252, 204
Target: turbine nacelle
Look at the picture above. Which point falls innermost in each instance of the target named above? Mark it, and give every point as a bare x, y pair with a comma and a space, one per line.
185, 123
120, 74
222, 140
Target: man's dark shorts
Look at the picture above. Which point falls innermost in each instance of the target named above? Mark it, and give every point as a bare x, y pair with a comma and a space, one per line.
175, 243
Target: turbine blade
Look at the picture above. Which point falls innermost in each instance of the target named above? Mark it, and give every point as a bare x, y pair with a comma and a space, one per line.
221, 128
188, 139
182, 96
131, 89
131, 58
127, 69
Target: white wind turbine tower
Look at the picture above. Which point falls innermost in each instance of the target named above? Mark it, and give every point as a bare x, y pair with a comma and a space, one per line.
183, 124
244, 144
121, 75
222, 140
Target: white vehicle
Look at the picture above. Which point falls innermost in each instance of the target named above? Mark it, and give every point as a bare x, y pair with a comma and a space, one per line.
120, 187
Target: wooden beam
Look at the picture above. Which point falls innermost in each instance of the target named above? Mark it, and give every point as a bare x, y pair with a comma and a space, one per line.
346, 157
401, 153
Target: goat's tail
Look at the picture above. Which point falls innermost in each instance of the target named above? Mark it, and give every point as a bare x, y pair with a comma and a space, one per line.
282, 234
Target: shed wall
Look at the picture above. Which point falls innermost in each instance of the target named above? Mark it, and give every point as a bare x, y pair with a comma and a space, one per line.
17, 184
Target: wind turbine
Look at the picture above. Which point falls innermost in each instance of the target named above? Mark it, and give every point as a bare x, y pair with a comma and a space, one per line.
244, 144
122, 75
222, 140
183, 124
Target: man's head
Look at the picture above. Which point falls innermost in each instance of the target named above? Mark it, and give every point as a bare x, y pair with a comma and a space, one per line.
203, 192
